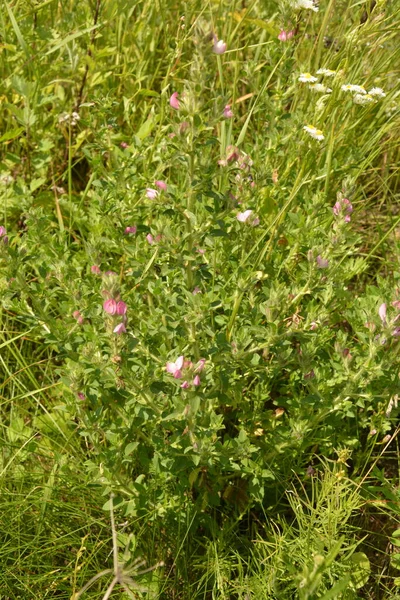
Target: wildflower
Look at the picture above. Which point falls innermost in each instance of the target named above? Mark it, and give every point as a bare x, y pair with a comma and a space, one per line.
185, 385
326, 72
285, 35
95, 270
363, 99
396, 304
306, 4
307, 78
175, 368
200, 365
382, 313
196, 291
314, 132
322, 263
161, 185
174, 102
345, 207
150, 239
378, 92
120, 328
200, 251
77, 315
123, 145
110, 273
2, 231
228, 114
110, 306
357, 89
219, 46
151, 193
313, 326
130, 229
121, 308
243, 217
396, 332
319, 87
196, 380
81, 396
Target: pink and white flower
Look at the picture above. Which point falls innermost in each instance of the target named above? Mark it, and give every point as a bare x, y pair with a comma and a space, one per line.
175, 368
174, 102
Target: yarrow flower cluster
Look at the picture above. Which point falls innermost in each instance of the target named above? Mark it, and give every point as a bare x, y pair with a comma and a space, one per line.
72, 118
306, 4
186, 370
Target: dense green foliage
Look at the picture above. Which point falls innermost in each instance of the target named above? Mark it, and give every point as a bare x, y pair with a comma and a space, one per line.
200, 299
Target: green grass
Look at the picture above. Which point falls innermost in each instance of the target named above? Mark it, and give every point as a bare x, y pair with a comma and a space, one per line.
277, 476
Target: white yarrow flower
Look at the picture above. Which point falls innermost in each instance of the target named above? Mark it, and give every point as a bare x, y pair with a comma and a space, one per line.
363, 99
307, 78
326, 72
378, 92
314, 132
357, 89
319, 87
307, 4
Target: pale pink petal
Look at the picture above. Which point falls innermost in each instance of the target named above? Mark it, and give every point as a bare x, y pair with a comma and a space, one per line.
174, 102
179, 362
382, 312
196, 380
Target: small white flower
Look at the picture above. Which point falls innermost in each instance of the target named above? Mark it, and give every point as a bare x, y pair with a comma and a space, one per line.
319, 87
363, 99
378, 92
307, 4
307, 78
314, 132
326, 72
357, 89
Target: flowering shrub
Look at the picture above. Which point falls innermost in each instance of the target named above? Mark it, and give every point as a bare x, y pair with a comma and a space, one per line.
208, 290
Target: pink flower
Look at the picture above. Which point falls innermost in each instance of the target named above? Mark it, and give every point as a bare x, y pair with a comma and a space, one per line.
77, 315
175, 368
150, 239
123, 145
200, 365
313, 326
185, 385
95, 270
2, 231
196, 291
200, 251
196, 380
121, 308
151, 193
228, 114
174, 102
161, 184
285, 35
219, 46
110, 306
242, 217
343, 207
131, 229
110, 273
322, 263
120, 328
382, 313
396, 304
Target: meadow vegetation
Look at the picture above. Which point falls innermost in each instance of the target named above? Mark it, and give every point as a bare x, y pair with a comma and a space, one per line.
199, 299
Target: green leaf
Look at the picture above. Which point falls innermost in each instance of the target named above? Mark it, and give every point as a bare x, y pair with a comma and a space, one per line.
360, 569
12, 134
